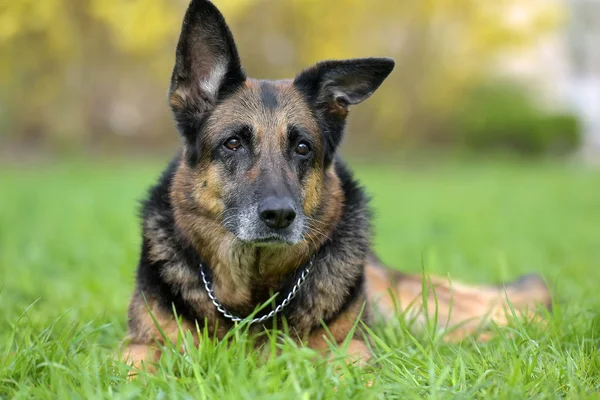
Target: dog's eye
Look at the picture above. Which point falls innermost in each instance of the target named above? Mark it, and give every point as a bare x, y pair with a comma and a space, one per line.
233, 144
303, 148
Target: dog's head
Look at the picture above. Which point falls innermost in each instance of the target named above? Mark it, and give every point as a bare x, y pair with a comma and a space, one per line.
260, 149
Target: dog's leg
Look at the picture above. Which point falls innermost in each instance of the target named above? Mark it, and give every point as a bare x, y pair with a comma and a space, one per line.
460, 309
357, 352
149, 327
338, 330
140, 356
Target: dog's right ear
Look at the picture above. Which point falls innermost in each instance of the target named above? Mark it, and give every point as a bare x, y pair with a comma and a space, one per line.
207, 68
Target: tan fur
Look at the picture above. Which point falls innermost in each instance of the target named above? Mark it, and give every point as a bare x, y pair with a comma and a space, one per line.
461, 309
149, 319
338, 331
337, 109
178, 99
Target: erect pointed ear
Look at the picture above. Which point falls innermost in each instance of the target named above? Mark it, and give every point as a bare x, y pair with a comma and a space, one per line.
207, 67
345, 82
331, 86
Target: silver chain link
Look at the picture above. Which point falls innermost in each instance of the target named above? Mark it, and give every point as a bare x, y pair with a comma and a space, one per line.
277, 309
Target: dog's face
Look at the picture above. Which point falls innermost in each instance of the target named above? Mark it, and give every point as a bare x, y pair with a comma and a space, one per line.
264, 148
260, 149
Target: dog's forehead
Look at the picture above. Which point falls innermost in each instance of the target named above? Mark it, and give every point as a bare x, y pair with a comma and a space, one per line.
266, 105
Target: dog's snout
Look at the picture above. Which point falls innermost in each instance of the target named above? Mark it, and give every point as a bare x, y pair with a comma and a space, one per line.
276, 212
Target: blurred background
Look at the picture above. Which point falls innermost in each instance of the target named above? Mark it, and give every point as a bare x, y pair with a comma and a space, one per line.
90, 77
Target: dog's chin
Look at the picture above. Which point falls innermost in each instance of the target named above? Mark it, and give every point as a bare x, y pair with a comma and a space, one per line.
269, 241
272, 242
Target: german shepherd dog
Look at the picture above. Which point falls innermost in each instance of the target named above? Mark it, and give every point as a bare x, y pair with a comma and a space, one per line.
258, 207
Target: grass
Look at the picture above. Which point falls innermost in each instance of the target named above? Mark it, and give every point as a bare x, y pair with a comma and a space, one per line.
69, 240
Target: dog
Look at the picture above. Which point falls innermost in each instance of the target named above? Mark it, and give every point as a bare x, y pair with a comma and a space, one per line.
257, 206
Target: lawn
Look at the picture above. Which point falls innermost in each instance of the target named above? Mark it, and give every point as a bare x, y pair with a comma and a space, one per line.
69, 239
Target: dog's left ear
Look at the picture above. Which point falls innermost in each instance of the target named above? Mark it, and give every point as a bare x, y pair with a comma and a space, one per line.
331, 86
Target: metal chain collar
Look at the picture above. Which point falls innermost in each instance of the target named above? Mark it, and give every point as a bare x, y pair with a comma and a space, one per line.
277, 309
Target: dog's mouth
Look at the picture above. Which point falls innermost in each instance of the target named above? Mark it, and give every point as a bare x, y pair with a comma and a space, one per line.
262, 238
271, 240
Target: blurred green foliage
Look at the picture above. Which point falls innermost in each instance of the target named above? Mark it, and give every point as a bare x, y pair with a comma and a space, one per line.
94, 73
503, 116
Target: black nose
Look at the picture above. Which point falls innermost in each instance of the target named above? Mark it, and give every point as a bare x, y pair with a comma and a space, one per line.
277, 212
